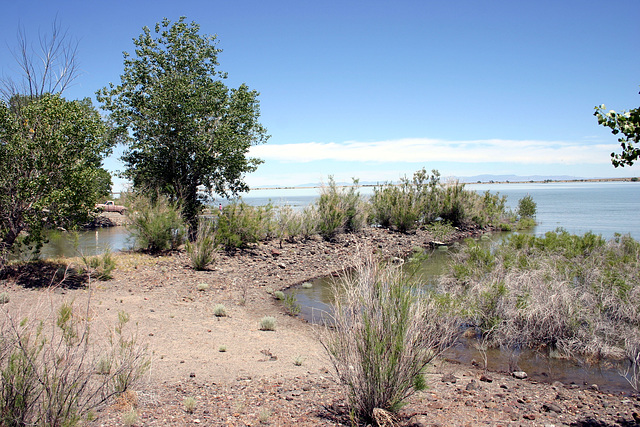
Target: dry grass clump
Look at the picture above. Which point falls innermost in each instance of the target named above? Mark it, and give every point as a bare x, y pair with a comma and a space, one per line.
268, 323
383, 333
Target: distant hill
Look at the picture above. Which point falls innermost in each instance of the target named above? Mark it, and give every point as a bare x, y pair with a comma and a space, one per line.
486, 178
516, 178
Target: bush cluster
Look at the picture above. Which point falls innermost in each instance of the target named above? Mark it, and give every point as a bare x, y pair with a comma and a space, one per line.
422, 200
155, 222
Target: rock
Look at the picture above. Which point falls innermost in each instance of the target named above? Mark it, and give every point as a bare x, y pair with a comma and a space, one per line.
558, 384
519, 375
281, 265
419, 421
594, 387
552, 407
486, 378
449, 378
529, 416
473, 385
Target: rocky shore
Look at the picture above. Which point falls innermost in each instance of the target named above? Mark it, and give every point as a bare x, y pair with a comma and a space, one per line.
240, 375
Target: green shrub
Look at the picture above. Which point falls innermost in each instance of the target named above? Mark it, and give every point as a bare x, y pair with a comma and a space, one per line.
279, 295
54, 371
340, 210
4, 297
383, 332
189, 404
268, 323
202, 251
99, 266
240, 224
527, 207
219, 310
291, 305
409, 204
155, 223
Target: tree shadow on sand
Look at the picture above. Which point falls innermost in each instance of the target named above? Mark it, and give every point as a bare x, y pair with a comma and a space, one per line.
44, 274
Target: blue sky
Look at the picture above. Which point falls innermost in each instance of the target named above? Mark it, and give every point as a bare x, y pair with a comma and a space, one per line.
376, 90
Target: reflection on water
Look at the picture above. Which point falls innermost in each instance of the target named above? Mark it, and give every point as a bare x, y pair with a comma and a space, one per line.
315, 307
85, 242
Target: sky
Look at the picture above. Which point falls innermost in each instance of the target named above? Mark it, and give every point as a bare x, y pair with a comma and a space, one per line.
376, 90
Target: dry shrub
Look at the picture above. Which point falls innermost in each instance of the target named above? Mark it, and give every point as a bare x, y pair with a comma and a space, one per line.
384, 331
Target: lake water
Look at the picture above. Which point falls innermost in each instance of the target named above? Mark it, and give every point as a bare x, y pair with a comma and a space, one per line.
604, 208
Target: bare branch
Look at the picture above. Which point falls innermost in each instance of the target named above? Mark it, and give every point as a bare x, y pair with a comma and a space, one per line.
51, 67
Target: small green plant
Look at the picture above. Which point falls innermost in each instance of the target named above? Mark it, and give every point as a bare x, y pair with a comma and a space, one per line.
130, 418
268, 323
4, 297
189, 404
219, 310
298, 360
291, 305
264, 416
222, 348
527, 207
100, 266
307, 285
202, 287
279, 295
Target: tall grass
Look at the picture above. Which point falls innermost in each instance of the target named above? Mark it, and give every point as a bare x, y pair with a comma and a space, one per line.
577, 295
202, 250
382, 334
420, 201
240, 224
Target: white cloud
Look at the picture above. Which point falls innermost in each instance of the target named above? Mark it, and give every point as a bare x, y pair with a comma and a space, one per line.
420, 150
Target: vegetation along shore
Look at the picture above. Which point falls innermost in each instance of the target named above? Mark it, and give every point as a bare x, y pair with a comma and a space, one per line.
198, 324
202, 333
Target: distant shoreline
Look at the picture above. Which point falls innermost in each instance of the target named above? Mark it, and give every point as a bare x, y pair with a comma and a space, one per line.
545, 181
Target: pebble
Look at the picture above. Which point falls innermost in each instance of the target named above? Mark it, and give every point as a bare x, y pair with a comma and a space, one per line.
552, 407
519, 375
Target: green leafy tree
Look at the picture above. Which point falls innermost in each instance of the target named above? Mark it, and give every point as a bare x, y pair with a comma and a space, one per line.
187, 128
51, 151
627, 124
